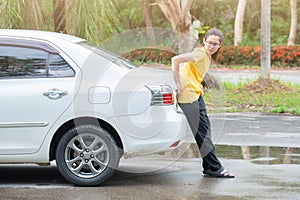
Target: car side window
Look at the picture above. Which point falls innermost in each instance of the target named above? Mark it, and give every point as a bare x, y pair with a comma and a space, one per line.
18, 61
26, 62
58, 67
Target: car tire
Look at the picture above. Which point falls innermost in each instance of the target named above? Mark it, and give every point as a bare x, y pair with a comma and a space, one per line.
87, 155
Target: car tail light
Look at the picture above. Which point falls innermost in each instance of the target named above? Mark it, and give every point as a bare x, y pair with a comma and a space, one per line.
175, 144
161, 94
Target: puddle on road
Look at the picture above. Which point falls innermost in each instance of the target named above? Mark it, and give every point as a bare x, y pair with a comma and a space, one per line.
256, 154
260, 154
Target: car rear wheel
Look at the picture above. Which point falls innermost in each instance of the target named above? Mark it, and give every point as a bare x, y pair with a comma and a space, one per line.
87, 155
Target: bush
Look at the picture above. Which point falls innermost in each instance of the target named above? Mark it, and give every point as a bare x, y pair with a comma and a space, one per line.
150, 55
281, 56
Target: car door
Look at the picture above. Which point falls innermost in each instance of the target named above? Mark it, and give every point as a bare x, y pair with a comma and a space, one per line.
36, 87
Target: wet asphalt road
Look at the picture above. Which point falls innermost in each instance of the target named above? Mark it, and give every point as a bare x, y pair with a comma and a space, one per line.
175, 180
170, 177
256, 129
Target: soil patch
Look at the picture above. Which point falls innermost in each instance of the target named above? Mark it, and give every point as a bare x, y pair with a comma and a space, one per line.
266, 86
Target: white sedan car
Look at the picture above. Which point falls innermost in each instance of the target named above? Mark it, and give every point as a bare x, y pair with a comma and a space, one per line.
62, 99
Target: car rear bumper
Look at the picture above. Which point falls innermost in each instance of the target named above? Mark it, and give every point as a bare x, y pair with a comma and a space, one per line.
164, 133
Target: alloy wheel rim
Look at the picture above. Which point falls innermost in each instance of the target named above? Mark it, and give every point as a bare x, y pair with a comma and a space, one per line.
87, 155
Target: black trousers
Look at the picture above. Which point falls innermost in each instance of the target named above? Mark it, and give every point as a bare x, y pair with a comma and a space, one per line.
198, 120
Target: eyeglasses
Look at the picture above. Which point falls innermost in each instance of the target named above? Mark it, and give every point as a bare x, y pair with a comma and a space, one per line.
210, 43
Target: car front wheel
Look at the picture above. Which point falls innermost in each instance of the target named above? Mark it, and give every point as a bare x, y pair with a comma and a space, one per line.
87, 155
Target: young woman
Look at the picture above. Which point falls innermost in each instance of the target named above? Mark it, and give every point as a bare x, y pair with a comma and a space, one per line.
189, 70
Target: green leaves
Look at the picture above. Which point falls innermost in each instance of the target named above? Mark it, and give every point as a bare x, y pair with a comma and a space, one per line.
94, 20
10, 14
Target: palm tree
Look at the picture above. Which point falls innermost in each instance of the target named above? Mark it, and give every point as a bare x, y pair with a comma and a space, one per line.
94, 20
18, 14
59, 13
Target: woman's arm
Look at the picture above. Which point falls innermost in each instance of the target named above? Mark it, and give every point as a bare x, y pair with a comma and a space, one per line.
176, 61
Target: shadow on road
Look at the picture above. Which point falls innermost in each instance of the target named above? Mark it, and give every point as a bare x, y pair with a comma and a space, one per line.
29, 175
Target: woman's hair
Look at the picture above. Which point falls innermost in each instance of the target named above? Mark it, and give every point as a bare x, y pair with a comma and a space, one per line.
216, 32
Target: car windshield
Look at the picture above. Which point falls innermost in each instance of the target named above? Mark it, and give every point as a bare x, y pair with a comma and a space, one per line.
122, 62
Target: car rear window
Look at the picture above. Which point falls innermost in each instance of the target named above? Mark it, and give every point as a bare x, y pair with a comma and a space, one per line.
119, 60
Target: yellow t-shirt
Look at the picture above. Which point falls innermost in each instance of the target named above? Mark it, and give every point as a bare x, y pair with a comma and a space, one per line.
192, 74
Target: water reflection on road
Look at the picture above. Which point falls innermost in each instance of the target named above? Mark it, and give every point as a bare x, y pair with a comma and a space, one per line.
261, 154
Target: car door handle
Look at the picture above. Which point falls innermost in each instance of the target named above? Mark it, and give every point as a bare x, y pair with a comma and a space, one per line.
55, 93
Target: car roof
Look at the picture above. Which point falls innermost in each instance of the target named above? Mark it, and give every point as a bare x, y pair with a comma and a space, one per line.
44, 35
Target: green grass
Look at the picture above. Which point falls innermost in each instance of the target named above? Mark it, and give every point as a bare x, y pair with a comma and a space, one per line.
235, 97
242, 66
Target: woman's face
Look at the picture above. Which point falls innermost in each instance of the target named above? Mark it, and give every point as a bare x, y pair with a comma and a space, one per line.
211, 44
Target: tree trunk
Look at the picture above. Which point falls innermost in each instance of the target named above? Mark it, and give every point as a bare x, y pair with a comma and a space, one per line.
265, 61
147, 13
178, 14
171, 10
238, 23
293, 29
148, 21
59, 7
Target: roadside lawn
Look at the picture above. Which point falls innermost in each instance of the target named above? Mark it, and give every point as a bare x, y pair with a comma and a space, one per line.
260, 95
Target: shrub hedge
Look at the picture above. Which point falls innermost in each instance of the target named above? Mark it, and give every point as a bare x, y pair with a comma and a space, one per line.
150, 55
281, 56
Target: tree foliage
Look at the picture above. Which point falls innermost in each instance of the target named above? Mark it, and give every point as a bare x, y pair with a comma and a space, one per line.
219, 14
97, 20
94, 20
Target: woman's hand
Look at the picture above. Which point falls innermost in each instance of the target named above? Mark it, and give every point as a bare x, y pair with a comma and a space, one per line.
179, 88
